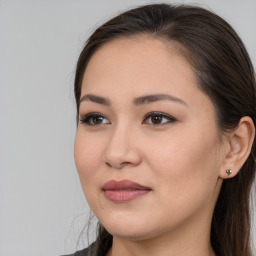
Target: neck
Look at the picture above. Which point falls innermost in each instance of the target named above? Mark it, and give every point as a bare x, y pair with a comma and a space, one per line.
159, 248
192, 239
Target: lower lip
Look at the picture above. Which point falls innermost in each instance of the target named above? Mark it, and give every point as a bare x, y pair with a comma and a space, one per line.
120, 196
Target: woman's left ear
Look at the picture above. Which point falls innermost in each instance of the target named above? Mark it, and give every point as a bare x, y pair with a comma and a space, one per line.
239, 147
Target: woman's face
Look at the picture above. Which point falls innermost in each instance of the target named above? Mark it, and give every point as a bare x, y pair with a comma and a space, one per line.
174, 153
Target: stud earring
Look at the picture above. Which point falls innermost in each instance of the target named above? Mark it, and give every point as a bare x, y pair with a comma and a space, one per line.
229, 172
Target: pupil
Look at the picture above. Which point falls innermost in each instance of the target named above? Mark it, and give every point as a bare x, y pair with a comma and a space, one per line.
97, 120
156, 119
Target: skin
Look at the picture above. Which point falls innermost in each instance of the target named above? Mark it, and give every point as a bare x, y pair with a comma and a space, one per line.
183, 161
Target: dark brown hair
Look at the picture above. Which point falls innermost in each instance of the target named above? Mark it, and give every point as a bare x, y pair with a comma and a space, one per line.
224, 72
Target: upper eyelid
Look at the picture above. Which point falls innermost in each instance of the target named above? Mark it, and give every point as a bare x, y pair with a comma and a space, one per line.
147, 115
158, 113
92, 113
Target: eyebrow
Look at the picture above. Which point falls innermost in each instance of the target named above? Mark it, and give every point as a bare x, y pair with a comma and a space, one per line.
137, 101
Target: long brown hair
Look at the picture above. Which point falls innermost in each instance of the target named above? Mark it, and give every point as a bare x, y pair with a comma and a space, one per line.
224, 72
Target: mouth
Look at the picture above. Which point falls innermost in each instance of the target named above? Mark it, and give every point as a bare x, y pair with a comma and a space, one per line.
124, 190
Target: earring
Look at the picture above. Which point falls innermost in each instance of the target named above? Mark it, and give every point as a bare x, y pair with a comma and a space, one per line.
229, 172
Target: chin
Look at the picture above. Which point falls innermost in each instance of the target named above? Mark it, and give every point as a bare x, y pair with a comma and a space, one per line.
131, 234
132, 229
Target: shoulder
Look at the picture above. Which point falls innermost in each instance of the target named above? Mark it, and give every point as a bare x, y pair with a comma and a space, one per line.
84, 252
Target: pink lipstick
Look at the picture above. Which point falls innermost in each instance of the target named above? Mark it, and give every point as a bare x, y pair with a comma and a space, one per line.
124, 190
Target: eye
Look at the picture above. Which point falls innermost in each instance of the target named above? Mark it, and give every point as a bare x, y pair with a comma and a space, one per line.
158, 118
93, 119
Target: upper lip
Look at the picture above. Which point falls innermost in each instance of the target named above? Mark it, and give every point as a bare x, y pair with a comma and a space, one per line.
123, 185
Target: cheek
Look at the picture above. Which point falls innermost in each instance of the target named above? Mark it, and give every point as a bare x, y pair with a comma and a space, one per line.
87, 152
87, 157
186, 166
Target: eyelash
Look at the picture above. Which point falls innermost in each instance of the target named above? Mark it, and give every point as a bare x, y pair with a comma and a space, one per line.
86, 118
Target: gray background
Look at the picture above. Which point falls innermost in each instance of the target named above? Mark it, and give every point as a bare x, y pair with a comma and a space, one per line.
42, 208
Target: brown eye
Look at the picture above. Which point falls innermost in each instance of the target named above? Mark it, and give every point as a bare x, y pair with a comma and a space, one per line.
93, 119
96, 119
158, 118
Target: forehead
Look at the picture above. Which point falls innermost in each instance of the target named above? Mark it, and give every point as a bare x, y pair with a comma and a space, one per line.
131, 67
137, 60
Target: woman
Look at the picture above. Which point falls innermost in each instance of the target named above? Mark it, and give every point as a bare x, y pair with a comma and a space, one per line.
165, 144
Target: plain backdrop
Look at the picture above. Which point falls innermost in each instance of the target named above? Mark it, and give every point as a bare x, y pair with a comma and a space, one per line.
42, 208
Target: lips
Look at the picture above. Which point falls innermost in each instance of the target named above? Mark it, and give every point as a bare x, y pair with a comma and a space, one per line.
124, 190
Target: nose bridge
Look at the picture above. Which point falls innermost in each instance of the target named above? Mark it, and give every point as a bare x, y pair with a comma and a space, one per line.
122, 148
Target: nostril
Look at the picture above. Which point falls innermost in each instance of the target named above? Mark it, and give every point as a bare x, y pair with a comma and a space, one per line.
115, 165
109, 165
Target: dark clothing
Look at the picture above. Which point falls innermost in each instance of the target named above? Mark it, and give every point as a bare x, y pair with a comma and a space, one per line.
93, 250
84, 252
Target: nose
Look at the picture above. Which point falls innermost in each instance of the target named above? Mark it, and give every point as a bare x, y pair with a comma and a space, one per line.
122, 149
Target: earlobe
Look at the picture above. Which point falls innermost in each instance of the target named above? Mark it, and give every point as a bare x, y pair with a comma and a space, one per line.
240, 143
228, 172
